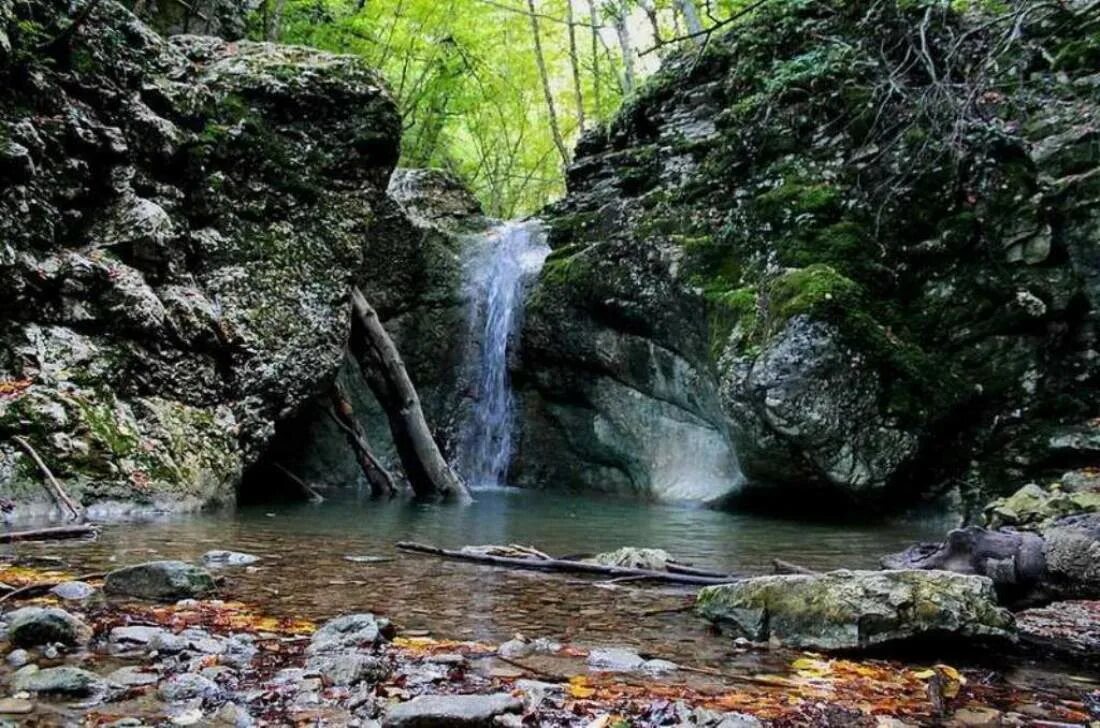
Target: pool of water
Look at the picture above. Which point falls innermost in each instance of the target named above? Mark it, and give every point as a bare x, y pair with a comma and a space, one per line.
304, 571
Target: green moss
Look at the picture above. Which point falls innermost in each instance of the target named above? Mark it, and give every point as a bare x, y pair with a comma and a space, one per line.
817, 290
795, 197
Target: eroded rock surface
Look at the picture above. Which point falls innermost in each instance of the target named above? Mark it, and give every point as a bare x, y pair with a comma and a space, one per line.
748, 255
181, 221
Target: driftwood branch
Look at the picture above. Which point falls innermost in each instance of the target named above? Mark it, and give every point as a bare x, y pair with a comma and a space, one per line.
308, 489
385, 373
49, 534
33, 590
559, 565
380, 480
58, 492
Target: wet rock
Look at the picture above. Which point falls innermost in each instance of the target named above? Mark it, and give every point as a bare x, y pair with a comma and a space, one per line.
219, 558
134, 676
858, 609
160, 581
15, 706
520, 647
348, 631
1070, 629
18, 658
186, 686
451, 711
615, 659
125, 639
74, 591
1033, 505
33, 626
348, 668
1072, 550
64, 680
536, 691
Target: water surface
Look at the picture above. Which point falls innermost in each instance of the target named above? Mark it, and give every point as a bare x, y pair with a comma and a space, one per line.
304, 572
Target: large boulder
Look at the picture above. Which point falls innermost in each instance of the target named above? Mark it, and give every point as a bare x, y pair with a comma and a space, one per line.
182, 222
868, 313
160, 581
844, 610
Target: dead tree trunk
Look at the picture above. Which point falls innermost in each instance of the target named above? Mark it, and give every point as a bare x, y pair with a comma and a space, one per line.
379, 479
385, 374
575, 64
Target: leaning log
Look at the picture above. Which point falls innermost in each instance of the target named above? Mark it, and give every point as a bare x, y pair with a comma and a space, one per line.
385, 373
559, 565
49, 534
379, 479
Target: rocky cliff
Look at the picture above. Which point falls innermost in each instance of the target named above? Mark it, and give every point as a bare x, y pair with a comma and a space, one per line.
857, 242
180, 223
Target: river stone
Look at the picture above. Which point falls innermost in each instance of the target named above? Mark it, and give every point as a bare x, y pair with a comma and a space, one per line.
857, 609
348, 668
123, 639
218, 558
64, 680
74, 591
134, 676
451, 711
32, 626
186, 686
348, 631
18, 658
160, 581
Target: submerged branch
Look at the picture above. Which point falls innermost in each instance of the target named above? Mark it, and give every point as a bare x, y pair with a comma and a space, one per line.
560, 565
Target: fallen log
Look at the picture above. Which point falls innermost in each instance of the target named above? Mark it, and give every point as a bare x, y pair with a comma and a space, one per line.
49, 534
560, 565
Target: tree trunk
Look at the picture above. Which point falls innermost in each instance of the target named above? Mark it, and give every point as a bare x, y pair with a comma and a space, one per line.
384, 371
626, 46
380, 480
595, 20
692, 22
555, 129
574, 62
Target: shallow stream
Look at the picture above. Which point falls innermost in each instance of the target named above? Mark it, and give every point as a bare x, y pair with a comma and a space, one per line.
304, 571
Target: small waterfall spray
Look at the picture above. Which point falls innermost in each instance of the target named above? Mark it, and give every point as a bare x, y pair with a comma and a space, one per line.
496, 271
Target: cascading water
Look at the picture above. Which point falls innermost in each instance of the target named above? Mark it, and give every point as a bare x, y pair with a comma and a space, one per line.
496, 270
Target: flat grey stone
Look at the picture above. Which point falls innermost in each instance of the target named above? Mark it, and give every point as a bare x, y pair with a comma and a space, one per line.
451, 711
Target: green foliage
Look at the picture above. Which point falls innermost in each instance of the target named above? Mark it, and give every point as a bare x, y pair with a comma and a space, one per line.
466, 80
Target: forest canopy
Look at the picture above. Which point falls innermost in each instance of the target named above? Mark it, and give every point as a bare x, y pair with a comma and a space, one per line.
498, 91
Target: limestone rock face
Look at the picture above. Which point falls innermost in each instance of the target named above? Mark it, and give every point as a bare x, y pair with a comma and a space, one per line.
181, 222
844, 610
748, 257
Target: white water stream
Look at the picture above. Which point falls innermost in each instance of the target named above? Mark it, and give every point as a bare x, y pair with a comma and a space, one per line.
499, 265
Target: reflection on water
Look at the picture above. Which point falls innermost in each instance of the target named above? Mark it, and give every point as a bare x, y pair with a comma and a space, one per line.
304, 571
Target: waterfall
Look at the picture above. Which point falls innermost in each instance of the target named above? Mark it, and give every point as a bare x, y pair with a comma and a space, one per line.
498, 265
